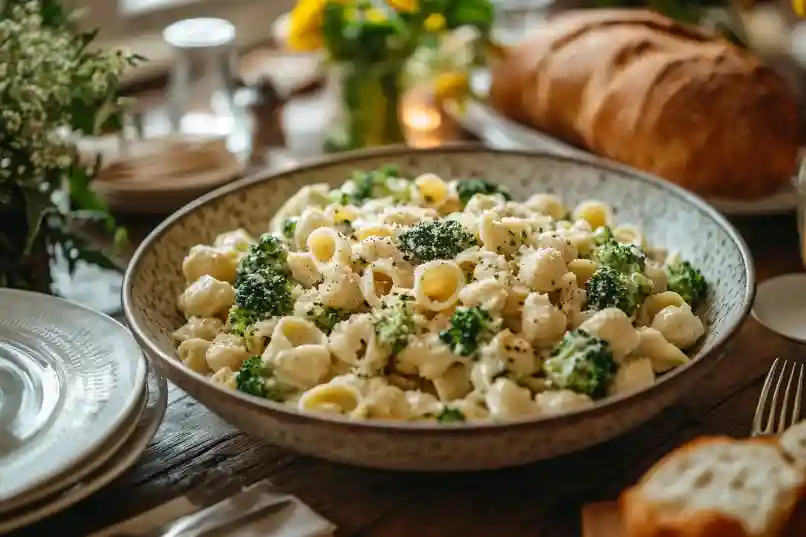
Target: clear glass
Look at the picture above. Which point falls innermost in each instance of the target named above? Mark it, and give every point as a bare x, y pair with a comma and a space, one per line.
202, 96
514, 19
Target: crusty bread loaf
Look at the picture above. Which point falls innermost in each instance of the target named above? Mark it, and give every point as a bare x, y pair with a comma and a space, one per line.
638, 88
715, 487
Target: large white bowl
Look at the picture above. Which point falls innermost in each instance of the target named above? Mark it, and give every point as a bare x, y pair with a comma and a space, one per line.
669, 216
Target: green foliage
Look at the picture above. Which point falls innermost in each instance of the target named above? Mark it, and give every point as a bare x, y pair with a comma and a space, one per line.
394, 324
54, 80
450, 415
608, 288
467, 188
470, 327
687, 281
437, 239
581, 363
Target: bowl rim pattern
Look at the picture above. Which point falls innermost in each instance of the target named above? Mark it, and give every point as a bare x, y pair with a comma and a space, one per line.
607, 405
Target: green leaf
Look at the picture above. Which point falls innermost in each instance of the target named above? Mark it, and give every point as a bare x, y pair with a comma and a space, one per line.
37, 206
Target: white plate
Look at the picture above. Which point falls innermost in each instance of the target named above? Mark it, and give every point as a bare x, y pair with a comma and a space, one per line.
135, 445
71, 476
503, 133
69, 378
780, 306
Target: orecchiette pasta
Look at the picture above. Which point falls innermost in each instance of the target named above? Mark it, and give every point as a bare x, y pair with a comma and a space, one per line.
206, 297
209, 261
426, 298
437, 284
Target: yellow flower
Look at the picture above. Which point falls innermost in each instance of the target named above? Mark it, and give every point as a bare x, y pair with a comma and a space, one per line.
451, 85
800, 7
404, 6
305, 25
375, 15
435, 22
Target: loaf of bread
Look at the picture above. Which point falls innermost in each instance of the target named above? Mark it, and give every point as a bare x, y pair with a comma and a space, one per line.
643, 90
720, 487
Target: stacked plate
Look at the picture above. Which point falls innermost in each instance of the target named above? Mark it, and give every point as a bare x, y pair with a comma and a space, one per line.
78, 404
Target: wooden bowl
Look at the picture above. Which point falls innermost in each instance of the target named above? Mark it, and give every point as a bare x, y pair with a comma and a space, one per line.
669, 215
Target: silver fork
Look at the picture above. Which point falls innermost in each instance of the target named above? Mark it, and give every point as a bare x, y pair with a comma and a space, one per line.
782, 414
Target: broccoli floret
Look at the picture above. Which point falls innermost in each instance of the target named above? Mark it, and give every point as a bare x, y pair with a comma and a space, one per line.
470, 327
624, 258
581, 363
393, 326
260, 295
269, 252
290, 226
602, 235
437, 239
467, 188
254, 378
380, 183
687, 281
326, 317
608, 288
450, 415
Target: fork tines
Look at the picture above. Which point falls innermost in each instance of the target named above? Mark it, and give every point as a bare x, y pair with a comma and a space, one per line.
783, 410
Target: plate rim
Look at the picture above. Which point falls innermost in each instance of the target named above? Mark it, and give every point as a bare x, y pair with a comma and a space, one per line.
71, 476
113, 468
140, 378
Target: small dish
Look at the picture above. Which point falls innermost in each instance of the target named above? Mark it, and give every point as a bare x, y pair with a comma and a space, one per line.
780, 306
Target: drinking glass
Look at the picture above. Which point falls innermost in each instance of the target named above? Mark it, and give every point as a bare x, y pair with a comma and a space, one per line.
202, 92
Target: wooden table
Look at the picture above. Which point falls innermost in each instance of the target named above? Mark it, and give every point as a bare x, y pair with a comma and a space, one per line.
193, 448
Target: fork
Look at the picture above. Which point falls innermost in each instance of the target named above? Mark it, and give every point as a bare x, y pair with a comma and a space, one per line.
785, 418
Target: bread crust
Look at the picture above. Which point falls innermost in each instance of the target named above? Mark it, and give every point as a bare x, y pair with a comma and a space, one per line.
638, 88
642, 519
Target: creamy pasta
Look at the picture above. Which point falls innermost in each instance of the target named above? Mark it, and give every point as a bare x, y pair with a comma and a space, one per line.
421, 298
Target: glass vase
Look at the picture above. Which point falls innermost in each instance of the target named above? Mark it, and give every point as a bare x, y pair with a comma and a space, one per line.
368, 106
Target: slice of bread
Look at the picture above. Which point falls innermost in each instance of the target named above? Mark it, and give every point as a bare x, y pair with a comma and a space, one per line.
793, 444
717, 487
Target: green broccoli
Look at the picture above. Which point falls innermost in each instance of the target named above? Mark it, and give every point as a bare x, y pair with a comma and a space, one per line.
260, 295
436, 239
581, 363
687, 281
381, 183
269, 252
290, 226
450, 415
326, 317
608, 288
624, 258
470, 327
467, 188
254, 378
602, 235
393, 326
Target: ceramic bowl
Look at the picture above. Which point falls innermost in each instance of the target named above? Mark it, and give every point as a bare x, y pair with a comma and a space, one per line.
670, 217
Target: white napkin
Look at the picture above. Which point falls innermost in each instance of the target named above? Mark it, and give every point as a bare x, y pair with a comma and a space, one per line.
276, 514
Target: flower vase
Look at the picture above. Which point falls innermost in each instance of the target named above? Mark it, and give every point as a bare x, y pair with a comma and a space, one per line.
368, 99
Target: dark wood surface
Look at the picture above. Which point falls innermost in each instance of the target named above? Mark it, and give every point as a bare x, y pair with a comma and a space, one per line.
195, 449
